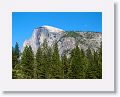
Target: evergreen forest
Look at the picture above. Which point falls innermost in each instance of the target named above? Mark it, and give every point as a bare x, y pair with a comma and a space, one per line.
46, 63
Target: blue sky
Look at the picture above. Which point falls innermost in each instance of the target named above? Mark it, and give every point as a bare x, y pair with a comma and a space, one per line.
23, 23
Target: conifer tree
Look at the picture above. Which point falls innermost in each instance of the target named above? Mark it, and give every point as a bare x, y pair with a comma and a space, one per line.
15, 55
46, 59
43, 61
39, 56
14, 58
66, 66
17, 72
56, 71
39, 63
76, 66
84, 63
27, 62
17, 51
49, 65
48, 62
89, 57
90, 70
95, 65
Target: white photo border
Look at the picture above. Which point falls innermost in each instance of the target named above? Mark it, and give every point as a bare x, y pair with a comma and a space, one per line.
104, 84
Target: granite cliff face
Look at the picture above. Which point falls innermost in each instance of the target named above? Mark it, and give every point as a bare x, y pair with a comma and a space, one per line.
66, 40
49, 33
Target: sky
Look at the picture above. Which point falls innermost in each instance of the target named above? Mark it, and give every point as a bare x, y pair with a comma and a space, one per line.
23, 23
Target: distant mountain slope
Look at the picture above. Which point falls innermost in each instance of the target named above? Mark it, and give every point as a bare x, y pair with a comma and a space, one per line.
66, 40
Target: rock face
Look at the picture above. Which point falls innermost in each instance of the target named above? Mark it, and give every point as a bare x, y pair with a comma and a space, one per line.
66, 40
49, 33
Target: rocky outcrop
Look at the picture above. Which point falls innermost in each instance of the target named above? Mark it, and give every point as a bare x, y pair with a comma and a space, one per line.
66, 40
49, 33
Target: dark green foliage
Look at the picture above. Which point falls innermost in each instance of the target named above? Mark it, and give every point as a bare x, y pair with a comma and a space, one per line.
43, 61
66, 66
15, 55
15, 59
84, 63
72, 34
94, 69
56, 70
17, 52
27, 62
39, 57
48, 64
90, 74
17, 72
39, 63
76, 70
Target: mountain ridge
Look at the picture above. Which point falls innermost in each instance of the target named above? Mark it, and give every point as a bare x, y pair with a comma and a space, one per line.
66, 40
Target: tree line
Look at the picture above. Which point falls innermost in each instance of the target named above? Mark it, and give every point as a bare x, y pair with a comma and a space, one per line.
48, 64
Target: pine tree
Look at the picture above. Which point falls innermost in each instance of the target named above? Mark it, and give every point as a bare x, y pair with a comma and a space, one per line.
27, 62
39, 56
95, 65
92, 66
17, 72
84, 63
15, 55
48, 62
43, 61
89, 74
70, 73
17, 51
66, 66
14, 58
56, 71
76, 70
39, 63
